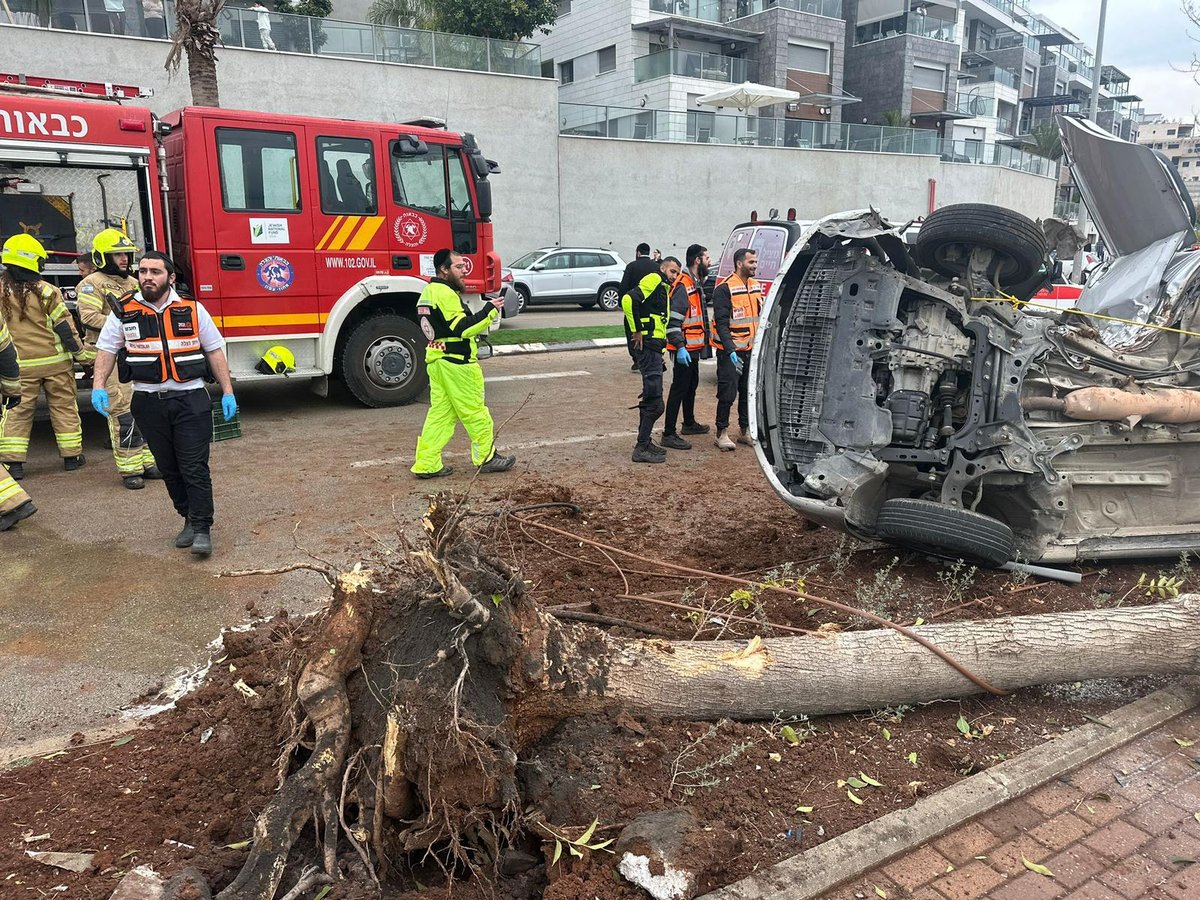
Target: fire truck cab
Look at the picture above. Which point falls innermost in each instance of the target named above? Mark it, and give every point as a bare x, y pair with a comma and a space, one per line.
315, 234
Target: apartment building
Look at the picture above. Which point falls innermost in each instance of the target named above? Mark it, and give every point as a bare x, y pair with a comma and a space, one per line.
1180, 141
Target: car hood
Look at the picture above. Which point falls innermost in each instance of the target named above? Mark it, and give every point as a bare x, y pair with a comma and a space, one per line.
1131, 195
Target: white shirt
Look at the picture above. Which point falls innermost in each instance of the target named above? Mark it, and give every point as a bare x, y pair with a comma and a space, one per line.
263, 15
112, 339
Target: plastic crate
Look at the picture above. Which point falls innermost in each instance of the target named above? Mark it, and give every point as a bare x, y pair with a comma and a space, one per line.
225, 431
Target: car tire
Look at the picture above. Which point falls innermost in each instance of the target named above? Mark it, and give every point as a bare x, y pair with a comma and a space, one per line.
608, 298
522, 297
383, 361
931, 527
1017, 238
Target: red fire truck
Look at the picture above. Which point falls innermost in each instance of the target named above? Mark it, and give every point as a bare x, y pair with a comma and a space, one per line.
317, 234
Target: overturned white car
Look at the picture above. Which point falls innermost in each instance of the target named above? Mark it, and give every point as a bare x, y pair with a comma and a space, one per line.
904, 397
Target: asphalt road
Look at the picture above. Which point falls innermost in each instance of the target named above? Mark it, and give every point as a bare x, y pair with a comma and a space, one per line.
560, 316
97, 607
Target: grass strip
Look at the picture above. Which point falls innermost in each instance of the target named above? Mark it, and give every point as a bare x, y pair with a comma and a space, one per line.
554, 335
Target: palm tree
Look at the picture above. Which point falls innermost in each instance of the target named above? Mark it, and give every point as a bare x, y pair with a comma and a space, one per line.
403, 13
892, 117
197, 36
1047, 141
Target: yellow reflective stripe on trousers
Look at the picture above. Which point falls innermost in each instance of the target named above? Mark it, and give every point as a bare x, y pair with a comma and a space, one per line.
13, 445
8, 489
61, 356
71, 440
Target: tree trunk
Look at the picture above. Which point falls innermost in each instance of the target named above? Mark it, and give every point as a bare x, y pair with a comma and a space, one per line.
202, 74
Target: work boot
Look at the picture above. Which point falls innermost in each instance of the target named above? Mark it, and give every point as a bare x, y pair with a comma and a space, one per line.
675, 442
185, 538
13, 516
634, 368
694, 428
440, 473
133, 482
498, 463
153, 473
723, 441
202, 544
71, 463
746, 438
16, 470
645, 453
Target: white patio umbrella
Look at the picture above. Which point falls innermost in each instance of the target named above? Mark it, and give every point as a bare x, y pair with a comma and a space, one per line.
748, 95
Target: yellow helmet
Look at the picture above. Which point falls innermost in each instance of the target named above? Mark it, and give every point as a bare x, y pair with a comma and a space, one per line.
277, 361
24, 251
110, 240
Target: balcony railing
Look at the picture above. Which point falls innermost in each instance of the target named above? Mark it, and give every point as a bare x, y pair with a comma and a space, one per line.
690, 64
297, 34
1067, 210
708, 10
694, 126
1009, 40
831, 9
912, 23
994, 74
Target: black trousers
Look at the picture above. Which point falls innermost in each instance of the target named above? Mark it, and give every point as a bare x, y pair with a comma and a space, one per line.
684, 382
650, 364
178, 427
730, 387
633, 353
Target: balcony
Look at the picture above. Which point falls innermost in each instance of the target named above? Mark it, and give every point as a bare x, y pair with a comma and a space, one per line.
912, 23
990, 74
830, 9
690, 64
694, 126
1012, 39
298, 34
705, 10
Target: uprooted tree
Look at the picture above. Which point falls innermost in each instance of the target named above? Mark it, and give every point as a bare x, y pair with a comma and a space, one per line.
420, 691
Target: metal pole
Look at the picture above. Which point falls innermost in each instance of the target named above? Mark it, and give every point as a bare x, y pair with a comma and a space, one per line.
1095, 104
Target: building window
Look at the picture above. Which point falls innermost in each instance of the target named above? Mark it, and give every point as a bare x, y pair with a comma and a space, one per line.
566, 72
606, 59
1027, 76
1187, 164
258, 170
1175, 160
347, 176
929, 77
1170, 132
547, 68
809, 56
564, 7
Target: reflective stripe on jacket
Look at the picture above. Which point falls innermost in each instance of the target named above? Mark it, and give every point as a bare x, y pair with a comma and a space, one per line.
692, 323
38, 344
746, 300
449, 325
647, 307
161, 345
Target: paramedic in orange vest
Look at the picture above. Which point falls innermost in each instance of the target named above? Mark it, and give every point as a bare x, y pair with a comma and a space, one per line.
736, 305
687, 339
167, 345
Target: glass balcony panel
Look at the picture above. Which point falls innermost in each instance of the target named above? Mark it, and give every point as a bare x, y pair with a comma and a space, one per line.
708, 10
831, 9
690, 64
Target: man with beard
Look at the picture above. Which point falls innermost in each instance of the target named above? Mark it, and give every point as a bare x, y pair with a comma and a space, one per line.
168, 345
687, 338
455, 378
112, 255
647, 311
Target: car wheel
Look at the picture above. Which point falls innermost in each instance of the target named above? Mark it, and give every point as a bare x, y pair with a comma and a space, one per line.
522, 297
945, 531
609, 298
383, 361
947, 235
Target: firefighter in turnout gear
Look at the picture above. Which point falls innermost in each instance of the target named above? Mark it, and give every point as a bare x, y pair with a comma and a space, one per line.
647, 309
42, 331
97, 295
15, 504
688, 341
455, 378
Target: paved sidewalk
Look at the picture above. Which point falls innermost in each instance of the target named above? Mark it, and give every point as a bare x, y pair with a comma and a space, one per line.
1123, 826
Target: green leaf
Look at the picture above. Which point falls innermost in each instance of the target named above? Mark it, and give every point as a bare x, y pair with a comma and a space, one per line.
587, 835
1184, 743
853, 798
788, 733
887, 735
1182, 861
1036, 867
122, 741
880, 892
601, 845
855, 783
808, 809
239, 845
912, 757
574, 851
919, 621
557, 851
497, 599
963, 725
869, 780
325, 892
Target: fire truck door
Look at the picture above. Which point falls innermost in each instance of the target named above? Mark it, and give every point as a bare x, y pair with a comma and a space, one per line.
264, 233
418, 207
349, 226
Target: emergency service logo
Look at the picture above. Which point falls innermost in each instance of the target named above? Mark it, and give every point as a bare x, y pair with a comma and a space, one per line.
468, 266
275, 274
410, 230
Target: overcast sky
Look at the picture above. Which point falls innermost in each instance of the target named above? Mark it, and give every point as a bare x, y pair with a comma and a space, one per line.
1144, 38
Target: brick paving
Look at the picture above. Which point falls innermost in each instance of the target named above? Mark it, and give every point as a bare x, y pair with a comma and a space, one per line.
1119, 828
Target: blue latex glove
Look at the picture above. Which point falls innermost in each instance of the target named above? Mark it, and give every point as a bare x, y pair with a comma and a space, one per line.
738, 365
683, 357
229, 406
100, 401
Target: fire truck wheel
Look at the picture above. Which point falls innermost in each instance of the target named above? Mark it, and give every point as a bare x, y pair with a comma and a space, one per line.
383, 361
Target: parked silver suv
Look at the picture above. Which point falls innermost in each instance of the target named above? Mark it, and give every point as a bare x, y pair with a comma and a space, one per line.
588, 276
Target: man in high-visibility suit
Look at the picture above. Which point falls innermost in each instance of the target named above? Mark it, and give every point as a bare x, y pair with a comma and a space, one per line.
96, 297
688, 340
455, 378
647, 309
45, 338
15, 504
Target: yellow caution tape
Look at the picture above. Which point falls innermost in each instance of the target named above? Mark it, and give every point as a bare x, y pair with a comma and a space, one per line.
1005, 298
